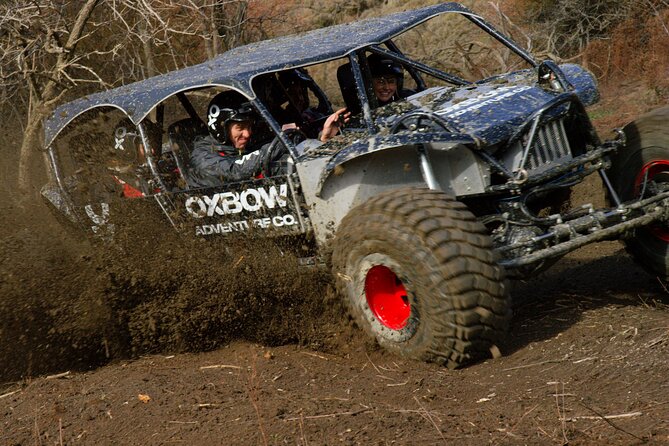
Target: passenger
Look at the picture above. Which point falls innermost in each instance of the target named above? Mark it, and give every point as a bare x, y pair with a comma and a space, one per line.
334, 124
386, 83
295, 84
387, 80
387, 77
225, 155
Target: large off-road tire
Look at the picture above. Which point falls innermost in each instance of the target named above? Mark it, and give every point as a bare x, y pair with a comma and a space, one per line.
645, 156
418, 273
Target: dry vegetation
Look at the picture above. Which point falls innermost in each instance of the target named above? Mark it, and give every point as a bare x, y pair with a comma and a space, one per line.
622, 42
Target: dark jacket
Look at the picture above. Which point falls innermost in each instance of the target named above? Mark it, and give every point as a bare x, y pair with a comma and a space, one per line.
214, 164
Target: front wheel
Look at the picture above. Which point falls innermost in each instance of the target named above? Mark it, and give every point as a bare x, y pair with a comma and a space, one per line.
639, 170
418, 273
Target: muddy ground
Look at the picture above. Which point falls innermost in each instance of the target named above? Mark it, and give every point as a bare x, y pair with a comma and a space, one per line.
165, 341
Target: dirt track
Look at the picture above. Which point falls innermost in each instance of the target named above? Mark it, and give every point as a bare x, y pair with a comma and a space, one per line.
586, 362
586, 365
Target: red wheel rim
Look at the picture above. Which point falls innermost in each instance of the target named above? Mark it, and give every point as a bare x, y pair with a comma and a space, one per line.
387, 297
647, 173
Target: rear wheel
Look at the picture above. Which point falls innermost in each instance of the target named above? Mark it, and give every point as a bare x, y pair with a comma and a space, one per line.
418, 273
639, 170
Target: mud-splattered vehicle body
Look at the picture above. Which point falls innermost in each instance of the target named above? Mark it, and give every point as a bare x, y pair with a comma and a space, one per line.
423, 208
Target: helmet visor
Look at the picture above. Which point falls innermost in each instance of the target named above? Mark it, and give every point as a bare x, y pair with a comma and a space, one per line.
245, 112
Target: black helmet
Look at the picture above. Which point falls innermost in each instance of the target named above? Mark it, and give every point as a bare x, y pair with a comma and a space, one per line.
383, 66
224, 108
295, 76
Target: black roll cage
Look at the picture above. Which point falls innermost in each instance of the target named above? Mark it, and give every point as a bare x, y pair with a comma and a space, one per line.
360, 72
361, 69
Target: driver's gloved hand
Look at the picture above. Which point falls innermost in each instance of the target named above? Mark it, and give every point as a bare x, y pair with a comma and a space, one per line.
277, 150
273, 153
279, 166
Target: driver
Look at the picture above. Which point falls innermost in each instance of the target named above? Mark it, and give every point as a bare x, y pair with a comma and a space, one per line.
225, 155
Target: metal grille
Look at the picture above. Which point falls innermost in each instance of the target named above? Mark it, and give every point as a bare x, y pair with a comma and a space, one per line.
549, 148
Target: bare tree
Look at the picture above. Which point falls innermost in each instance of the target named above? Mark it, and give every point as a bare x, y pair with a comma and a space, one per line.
40, 51
566, 27
49, 48
182, 32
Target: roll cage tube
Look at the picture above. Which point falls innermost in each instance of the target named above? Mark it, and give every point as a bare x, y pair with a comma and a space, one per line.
267, 116
367, 77
415, 75
186, 104
153, 167
398, 57
485, 26
548, 67
363, 95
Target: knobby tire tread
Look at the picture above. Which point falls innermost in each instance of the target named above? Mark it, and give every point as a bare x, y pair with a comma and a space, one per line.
647, 138
476, 312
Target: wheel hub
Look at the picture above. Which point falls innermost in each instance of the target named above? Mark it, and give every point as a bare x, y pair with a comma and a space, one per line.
658, 171
387, 297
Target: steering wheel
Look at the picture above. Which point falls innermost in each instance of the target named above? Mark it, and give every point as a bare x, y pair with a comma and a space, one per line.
295, 135
275, 152
418, 118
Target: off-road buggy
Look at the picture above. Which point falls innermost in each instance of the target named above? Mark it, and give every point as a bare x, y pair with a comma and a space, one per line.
423, 208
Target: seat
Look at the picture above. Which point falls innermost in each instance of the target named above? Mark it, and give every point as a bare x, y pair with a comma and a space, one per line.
181, 135
349, 91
